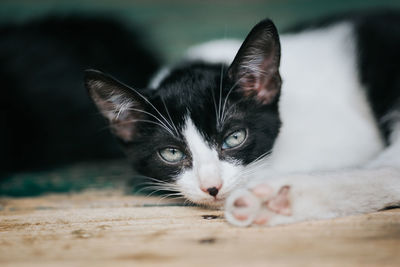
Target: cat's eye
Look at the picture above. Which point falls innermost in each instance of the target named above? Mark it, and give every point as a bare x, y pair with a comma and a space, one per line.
235, 139
171, 155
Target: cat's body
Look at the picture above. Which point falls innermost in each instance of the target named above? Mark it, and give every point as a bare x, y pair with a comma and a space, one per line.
319, 125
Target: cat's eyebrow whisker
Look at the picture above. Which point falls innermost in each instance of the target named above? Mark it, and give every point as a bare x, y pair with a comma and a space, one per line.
148, 121
130, 121
226, 99
152, 115
148, 101
231, 89
215, 106
169, 116
224, 112
220, 95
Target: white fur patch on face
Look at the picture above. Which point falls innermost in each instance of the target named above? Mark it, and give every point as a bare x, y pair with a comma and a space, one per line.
208, 170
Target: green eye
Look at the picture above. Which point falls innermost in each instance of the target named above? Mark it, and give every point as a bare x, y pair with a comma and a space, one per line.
234, 139
171, 154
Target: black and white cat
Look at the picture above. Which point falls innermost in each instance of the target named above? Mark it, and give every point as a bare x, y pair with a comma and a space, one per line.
311, 134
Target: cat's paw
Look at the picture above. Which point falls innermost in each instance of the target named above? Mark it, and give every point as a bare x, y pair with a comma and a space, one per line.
260, 204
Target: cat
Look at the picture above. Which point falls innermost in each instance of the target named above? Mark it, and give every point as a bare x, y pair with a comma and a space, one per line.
47, 119
279, 128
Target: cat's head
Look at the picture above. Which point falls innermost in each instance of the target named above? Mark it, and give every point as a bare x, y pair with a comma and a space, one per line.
205, 123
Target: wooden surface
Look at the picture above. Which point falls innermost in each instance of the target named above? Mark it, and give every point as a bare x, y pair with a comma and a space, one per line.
110, 229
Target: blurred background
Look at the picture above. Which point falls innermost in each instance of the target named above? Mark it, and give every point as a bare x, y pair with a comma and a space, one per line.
172, 26
168, 27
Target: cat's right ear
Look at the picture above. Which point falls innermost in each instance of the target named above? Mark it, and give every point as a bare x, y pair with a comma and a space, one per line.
118, 103
256, 66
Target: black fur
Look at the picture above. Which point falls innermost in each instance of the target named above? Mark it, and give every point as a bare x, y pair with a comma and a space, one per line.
378, 41
46, 118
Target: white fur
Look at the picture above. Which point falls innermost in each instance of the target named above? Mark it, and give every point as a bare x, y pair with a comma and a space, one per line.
336, 193
159, 77
217, 51
207, 170
327, 122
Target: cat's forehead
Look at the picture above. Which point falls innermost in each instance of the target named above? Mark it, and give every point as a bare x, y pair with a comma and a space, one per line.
190, 81
198, 91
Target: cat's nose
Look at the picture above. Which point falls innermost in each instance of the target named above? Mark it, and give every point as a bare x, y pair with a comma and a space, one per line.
213, 191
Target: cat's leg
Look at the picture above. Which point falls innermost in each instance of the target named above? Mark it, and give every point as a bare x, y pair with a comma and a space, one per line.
293, 198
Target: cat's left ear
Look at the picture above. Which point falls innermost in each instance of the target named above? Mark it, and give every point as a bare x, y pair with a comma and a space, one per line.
118, 103
256, 66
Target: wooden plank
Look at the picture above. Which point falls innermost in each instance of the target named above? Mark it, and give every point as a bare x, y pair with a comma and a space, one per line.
112, 229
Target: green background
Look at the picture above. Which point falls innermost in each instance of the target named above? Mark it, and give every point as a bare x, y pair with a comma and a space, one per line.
170, 27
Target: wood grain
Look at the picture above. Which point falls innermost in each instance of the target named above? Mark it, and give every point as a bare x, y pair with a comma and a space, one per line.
112, 229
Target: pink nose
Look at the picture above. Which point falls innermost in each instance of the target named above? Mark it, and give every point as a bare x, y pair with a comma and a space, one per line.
212, 191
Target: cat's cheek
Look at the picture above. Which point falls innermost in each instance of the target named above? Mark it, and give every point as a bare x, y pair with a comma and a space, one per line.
231, 177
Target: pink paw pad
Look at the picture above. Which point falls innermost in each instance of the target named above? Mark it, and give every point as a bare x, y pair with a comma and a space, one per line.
263, 192
281, 202
257, 205
242, 207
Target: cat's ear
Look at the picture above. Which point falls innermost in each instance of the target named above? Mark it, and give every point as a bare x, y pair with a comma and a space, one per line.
256, 66
118, 103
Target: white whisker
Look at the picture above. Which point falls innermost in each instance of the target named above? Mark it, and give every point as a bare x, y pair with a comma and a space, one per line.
220, 96
148, 121
148, 113
169, 116
145, 99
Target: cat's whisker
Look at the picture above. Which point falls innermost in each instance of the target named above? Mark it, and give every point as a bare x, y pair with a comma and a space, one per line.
155, 191
154, 179
157, 185
148, 121
152, 115
230, 91
215, 106
242, 176
188, 202
169, 116
148, 102
226, 99
159, 188
220, 96
255, 166
172, 196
